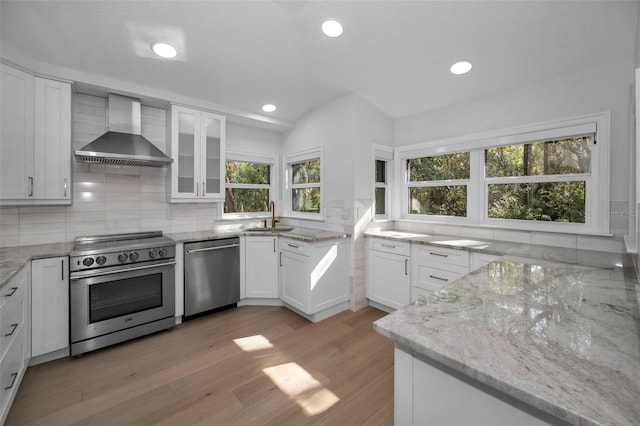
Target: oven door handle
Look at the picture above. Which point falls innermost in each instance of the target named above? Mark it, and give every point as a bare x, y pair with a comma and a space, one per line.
189, 251
137, 268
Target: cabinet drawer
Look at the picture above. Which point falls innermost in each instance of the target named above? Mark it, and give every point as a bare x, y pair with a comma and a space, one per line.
430, 255
294, 246
11, 370
430, 278
12, 318
390, 246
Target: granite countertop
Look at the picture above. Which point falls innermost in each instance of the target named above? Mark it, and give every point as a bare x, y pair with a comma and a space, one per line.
12, 259
560, 337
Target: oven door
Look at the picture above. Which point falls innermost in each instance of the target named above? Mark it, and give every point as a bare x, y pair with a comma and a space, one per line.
113, 299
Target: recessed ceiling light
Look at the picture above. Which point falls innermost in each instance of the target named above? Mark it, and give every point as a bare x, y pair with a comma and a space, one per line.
461, 67
268, 108
332, 28
164, 50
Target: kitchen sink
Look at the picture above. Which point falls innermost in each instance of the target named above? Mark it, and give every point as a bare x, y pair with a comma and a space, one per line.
271, 230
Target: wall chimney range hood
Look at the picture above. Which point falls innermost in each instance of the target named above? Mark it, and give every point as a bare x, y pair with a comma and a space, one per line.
123, 143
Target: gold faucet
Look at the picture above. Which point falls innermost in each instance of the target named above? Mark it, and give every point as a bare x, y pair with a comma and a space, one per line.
272, 209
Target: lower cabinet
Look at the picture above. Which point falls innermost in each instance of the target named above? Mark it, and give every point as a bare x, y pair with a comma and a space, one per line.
261, 267
434, 267
313, 277
388, 273
14, 338
50, 302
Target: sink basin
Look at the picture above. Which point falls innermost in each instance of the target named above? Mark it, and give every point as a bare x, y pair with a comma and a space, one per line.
271, 230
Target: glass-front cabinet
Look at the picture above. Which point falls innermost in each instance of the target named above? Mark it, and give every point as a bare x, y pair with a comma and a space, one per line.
197, 144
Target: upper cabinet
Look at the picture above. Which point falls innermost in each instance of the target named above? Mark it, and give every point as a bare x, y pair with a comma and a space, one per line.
197, 145
35, 165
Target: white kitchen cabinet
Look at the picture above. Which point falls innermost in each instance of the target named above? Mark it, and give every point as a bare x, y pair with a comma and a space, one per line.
313, 277
261, 267
52, 154
388, 273
50, 305
197, 145
14, 337
35, 161
16, 129
478, 260
434, 267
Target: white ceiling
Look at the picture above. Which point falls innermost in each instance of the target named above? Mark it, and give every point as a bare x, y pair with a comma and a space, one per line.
395, 54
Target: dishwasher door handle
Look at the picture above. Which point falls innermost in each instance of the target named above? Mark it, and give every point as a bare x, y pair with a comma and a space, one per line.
189, 251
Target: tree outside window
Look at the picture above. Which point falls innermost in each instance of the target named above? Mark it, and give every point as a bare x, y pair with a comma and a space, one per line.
247, 187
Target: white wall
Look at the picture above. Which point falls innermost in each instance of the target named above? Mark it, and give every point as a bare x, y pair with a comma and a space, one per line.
601, 89
109, 199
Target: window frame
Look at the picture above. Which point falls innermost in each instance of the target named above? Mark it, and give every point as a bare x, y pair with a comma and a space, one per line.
245, 157
597, 200
382, 153
296, 158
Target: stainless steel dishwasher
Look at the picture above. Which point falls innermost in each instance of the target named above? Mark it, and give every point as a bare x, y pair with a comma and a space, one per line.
211, 275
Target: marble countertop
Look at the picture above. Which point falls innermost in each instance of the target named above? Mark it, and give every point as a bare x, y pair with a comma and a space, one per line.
560, 337
12, 259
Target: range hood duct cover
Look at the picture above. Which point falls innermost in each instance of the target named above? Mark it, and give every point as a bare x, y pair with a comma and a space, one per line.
123, 143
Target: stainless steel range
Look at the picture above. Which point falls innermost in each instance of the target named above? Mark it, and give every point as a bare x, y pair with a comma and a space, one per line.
121, 287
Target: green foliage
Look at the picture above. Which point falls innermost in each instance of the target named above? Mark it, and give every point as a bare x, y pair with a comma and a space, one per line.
305, 200
306, 172
439, 200
441, 167
242, 200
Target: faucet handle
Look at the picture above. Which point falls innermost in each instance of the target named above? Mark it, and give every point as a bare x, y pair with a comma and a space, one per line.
264, 223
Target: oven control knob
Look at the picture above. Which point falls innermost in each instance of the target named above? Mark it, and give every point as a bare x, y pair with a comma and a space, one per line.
87, 261
153, 254
122, 257
133, 256
163, 252
101, 260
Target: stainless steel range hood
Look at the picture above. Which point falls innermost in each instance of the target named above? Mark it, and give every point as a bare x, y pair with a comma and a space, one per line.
123, 143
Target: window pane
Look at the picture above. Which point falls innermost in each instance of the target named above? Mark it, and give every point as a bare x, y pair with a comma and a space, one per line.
242, 200
439, 200
381, 171
305, 200
549, 201
244, 172
440, 167
564, 156
306, 172
380, 200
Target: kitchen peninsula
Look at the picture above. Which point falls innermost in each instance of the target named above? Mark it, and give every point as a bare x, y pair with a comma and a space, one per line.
521, 340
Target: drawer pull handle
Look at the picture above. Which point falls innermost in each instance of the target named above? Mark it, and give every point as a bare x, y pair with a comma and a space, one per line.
280, 258
13, 381
13, 290
293, 245
12, 331
30, 186
388, 246
438, 278
438, 254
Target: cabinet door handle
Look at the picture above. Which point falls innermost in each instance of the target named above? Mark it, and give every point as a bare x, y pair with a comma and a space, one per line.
280, 258
406, 266
274, 245
12, 330
62, 270
13, 381
30, 186
13, 290
388, 246
203, 190
438, 254
293, 245
197, 189
438, 278
65, 187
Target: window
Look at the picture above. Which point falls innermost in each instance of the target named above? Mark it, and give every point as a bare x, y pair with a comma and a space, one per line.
248, 185
550, 177
382, 173
437, 185
304, 184
539, 181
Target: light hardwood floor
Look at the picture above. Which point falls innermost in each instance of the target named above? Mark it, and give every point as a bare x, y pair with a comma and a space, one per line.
243, 366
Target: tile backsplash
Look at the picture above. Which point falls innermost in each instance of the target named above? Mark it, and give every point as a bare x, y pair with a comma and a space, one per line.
106, 199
